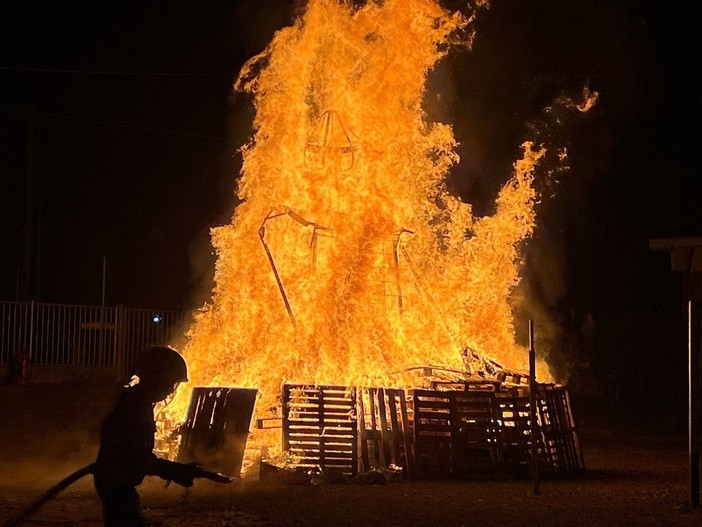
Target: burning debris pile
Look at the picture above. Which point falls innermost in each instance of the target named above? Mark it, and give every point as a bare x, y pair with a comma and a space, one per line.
343, 433
347, 261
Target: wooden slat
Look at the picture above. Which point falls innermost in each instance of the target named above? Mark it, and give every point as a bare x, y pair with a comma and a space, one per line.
395, 431
406, 435
384, 440
322, 431
304, 453
363, 434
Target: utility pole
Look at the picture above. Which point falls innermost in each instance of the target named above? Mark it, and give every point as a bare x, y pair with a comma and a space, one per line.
26, 286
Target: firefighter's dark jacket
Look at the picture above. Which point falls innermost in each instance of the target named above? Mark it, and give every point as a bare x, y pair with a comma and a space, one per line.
127, 442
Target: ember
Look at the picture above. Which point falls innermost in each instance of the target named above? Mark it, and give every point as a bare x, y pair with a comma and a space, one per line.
348, 262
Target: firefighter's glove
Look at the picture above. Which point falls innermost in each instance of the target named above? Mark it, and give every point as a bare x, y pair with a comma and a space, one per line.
179, 473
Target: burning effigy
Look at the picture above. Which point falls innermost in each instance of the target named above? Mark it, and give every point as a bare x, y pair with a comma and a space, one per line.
348, 262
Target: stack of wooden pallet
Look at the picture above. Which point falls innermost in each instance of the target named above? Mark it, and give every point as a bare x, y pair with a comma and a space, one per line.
481, 429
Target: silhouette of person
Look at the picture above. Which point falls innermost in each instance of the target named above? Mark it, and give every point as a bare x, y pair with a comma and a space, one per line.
127, 440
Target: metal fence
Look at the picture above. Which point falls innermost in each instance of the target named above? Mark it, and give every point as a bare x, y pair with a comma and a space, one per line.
71, 335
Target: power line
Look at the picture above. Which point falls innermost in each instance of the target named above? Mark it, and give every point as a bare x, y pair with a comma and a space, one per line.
130, 126
114, 73
117, 125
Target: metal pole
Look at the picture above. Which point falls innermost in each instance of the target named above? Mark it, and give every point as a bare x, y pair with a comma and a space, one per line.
532, 412
26, 292
693, 311
104, 274
31, 329
101, 344
120, 354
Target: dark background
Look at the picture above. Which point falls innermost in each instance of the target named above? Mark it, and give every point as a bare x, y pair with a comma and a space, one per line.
136, 129
135, 133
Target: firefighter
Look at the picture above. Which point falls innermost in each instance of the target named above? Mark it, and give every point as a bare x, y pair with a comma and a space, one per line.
127, 440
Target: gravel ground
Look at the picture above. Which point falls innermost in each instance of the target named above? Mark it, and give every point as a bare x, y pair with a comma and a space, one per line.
48, 431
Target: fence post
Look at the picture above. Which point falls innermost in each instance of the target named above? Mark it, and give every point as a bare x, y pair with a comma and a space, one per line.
120, 355
31, 330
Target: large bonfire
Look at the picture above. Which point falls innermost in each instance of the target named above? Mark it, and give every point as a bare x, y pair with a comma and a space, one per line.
347, 261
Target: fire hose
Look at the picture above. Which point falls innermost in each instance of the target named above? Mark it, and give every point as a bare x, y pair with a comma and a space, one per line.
197, 472
48, 496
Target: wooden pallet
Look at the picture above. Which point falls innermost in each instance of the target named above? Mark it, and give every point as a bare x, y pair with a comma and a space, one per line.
383, 429
514, 431
560, 438
456, 433
319, 427
476, 446
216, 428
432, 433
557, 443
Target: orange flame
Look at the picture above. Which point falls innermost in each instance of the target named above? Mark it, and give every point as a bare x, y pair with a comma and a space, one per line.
347, 261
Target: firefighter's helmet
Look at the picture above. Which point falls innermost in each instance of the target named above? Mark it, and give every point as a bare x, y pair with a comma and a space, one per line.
162, 363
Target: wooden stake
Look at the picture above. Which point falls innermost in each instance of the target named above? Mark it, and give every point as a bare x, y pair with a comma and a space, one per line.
532, 411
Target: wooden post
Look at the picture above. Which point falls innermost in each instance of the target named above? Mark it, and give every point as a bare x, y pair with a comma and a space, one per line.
532, 412
694, 334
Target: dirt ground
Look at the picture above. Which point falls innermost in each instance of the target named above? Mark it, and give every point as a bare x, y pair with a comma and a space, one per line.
48, 431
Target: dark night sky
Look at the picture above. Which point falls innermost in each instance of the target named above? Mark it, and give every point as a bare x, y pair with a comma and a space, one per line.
136, 167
